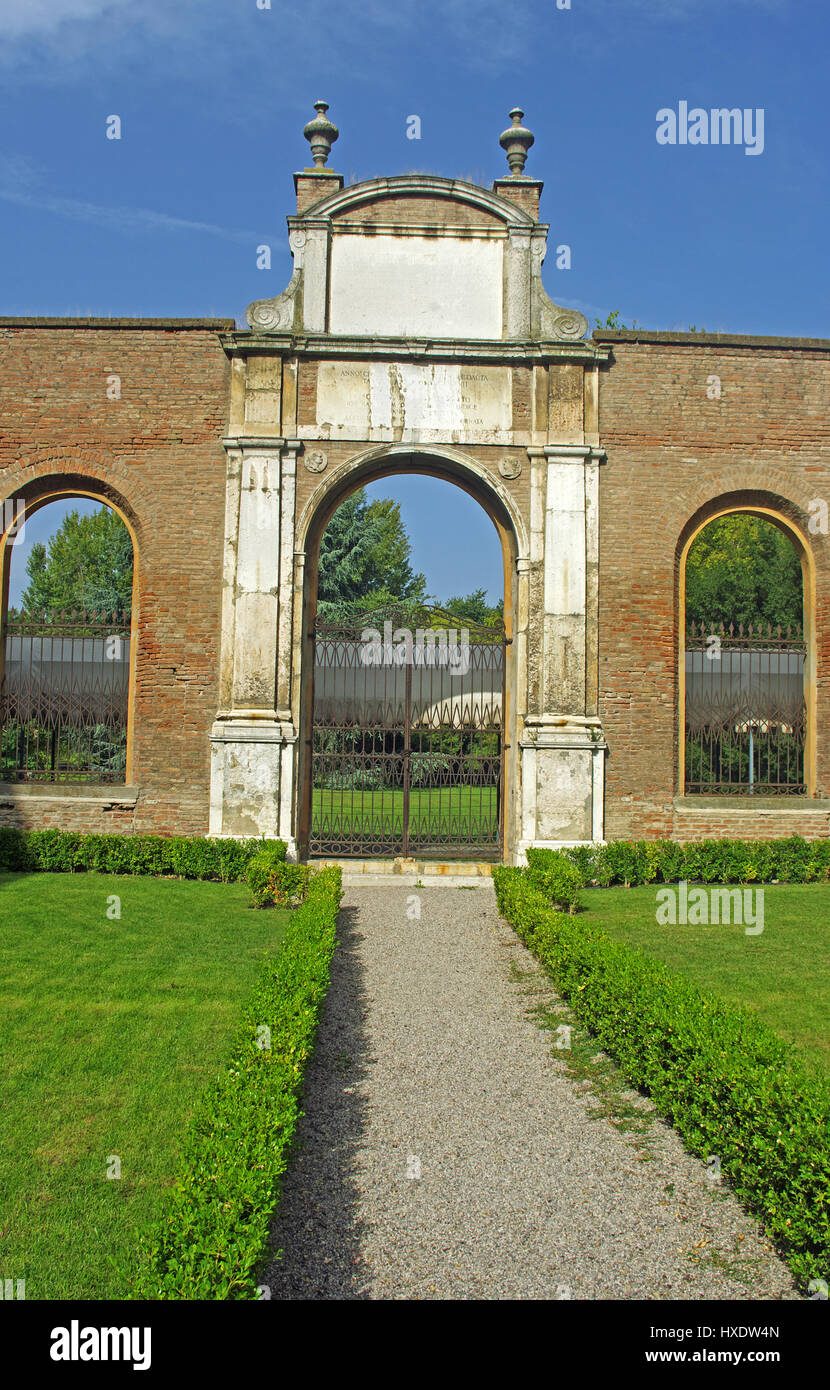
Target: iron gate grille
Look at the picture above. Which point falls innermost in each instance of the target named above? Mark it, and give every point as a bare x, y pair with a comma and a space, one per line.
64, 685
407, 744
745, 711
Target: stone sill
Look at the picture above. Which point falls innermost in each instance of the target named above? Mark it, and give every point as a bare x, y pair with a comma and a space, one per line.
752, 805
89, 793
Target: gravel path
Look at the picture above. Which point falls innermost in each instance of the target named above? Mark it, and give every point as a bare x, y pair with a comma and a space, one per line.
447, 1152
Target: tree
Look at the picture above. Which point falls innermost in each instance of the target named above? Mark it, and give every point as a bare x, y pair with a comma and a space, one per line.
743, 569
365, 557
88, 564
474, 608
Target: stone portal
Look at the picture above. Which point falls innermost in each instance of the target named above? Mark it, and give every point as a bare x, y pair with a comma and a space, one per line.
415, 335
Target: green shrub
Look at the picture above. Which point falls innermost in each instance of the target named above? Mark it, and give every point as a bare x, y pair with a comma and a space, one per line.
290, 884
791, 860
212, 1240
62, 851
273, 881
554, 876
634, 863
726, 1082
258, 873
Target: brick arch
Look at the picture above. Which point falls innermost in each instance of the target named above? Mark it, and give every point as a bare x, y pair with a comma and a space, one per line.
37, 488
792, 520
47, 477
355, 198
780, 508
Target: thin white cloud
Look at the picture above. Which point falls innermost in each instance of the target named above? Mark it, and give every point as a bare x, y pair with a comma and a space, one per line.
50, 39
28, 18
132, 220
19, 180
58, 40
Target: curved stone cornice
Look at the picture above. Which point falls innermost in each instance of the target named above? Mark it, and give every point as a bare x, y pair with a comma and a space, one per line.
423, 185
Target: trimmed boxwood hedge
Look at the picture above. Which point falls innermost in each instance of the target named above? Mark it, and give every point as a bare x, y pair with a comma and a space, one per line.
629, 862
177, 856
274, 883
636, 862
212, 1240
719, 1075
556, 877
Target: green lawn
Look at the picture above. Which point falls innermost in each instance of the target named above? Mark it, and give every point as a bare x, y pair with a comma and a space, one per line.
464, 813
109, 1031
784, 974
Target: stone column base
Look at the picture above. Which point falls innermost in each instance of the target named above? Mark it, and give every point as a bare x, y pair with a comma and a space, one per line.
563, 782
252, 777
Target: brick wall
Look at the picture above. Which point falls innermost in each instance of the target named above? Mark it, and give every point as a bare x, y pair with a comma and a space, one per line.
672, 453
157, 454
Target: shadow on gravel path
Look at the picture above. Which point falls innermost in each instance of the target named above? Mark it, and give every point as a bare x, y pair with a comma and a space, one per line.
318, 1227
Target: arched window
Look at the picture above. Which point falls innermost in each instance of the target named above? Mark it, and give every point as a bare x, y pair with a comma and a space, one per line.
66, 643
745, 659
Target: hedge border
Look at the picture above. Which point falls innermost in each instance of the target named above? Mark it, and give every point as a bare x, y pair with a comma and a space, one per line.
726, 1082
636, 863
630, 862
212, 1239
175, 856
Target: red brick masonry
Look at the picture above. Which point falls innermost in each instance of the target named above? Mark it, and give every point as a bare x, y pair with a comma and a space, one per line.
674, 456
157, 454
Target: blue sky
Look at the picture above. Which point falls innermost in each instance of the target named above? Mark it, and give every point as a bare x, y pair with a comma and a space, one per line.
213, 95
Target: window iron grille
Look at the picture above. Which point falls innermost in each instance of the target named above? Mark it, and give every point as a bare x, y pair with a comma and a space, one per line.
745, 716
64, 692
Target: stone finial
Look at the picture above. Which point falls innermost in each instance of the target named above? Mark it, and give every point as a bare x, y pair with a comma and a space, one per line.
321, 134
516, 141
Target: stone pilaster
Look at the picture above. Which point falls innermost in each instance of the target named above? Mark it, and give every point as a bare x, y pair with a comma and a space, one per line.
517, 283
562, 748
253, 737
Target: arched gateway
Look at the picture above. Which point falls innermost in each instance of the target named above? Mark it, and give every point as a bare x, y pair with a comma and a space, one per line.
415, 335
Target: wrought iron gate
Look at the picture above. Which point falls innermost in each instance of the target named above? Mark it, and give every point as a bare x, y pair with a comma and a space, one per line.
407, 740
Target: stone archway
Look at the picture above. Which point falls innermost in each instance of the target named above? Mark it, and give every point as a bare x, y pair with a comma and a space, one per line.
415, 334
277, 506
452, 467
